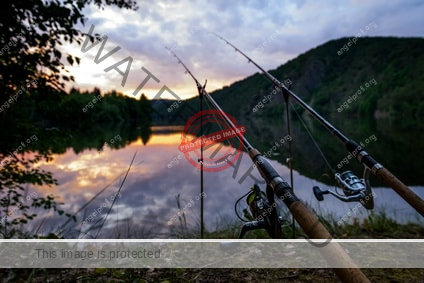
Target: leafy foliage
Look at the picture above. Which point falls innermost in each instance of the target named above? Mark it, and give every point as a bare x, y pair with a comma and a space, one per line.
31, 33
15, 201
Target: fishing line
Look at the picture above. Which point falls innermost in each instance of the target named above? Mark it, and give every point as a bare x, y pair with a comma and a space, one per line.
235, 207
313, 139
222, 129
289, 159
318, 148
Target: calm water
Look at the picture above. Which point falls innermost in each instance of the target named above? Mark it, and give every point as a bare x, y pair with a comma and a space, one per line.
147, 202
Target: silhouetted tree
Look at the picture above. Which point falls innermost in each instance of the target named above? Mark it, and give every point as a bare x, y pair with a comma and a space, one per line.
31, 33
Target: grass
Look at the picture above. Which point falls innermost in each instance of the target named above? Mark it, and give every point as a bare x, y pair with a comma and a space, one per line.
375, 226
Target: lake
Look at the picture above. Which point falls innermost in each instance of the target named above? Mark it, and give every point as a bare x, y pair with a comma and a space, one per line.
146, 206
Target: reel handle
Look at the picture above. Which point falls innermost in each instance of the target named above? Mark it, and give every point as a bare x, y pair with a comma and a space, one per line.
319, 195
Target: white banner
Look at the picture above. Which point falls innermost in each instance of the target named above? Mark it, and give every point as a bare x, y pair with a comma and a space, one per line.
206, 253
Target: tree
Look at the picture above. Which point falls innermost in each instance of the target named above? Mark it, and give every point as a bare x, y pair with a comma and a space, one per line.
31, 33
145, 108
31, 62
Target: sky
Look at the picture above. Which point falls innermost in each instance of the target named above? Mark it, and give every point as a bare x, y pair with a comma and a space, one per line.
270, 32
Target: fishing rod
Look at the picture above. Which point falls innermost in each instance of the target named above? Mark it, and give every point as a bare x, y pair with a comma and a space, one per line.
308, 221
200, 90
353, 188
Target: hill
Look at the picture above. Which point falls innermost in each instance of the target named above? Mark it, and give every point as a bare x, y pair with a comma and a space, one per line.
373, 88
324, 79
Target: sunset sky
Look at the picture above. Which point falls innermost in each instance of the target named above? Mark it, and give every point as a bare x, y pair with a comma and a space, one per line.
289, 29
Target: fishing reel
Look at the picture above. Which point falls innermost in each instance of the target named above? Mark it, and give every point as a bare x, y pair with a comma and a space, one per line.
263, 209
257, 202
354, 189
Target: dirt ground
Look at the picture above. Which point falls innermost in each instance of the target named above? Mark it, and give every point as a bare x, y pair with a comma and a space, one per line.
201, 275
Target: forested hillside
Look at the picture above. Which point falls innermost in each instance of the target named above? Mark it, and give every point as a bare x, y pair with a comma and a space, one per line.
326, 80
373, 88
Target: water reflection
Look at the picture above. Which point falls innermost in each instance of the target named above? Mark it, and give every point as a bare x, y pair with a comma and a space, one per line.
146, 206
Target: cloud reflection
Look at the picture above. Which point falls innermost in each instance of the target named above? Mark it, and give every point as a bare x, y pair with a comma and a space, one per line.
149, 194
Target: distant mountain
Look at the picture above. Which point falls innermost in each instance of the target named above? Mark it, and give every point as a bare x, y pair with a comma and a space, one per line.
392, 67
372, 87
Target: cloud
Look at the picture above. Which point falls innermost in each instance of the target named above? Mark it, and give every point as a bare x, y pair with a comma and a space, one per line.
142, 34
